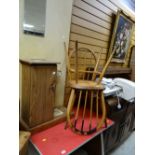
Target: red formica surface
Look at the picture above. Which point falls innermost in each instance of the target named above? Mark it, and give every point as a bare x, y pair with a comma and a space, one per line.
59, 141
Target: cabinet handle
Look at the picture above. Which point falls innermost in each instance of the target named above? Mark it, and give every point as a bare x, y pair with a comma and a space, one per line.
53, 73
52, 86
53, 76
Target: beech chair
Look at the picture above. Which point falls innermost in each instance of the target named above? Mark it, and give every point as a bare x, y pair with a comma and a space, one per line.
86, 99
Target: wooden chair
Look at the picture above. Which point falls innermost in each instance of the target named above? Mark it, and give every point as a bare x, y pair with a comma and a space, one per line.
86, 98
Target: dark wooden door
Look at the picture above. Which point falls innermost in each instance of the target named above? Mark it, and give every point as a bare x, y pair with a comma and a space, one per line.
111, 137
127, 126
25, 100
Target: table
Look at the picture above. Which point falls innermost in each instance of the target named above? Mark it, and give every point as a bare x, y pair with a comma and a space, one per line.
58, 141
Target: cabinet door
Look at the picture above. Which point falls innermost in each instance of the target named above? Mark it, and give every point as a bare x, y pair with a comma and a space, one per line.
113, 134
25, 102
126, 127
132, 126
111, 137
133, 122
127, 124
41, 100
50, 75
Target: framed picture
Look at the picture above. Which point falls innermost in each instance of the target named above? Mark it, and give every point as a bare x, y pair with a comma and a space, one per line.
121, 37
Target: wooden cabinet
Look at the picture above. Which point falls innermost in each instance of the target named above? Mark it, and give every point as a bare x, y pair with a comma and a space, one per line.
38, 91
124, 123
23, 142
127, 125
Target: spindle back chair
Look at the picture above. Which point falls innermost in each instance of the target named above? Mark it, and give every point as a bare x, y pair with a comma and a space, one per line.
86, 98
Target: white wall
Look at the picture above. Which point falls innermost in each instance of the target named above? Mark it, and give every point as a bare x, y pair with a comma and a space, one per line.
51, 46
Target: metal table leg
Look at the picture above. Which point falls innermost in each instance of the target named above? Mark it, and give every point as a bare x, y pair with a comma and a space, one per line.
102, 144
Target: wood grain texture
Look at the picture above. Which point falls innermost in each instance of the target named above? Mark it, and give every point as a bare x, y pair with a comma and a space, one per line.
89, 25
23, 142
103, 8
92, 10
88, 40
90, 18
25, 102
109, 5
37, 96
38, 93
94, 48
88, 33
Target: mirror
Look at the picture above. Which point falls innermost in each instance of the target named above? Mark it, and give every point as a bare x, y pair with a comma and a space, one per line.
34, 17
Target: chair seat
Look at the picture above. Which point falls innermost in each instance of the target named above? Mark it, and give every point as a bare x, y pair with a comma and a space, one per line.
85, 85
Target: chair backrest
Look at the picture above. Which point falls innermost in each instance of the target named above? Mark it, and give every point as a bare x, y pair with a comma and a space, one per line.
82, 63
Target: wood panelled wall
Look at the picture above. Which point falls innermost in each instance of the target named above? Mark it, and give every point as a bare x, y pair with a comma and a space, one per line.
92, 25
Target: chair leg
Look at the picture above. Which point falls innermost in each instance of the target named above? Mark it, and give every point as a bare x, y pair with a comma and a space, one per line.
105, 111
77, 111
97, 108
100, 122
91, 110
103, 107
70, 106
84, 110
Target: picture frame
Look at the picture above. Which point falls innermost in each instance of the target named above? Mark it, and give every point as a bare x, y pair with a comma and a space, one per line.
121, 37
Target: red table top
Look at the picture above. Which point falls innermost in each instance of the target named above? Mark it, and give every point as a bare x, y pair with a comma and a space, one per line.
58, 141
